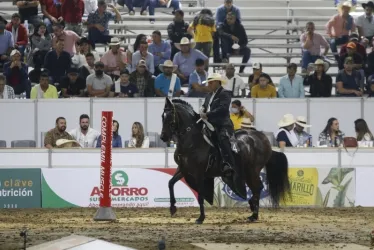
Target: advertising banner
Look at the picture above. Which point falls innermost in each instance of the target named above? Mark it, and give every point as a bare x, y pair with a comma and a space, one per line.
320, 187
20, 188
130, 188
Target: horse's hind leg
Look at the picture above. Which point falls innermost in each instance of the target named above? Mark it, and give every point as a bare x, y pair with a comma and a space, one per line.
177, 176
254, 203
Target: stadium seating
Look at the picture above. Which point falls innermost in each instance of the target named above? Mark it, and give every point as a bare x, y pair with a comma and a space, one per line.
2, 144
23, 144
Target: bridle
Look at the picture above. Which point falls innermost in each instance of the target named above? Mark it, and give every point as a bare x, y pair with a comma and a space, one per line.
175, 124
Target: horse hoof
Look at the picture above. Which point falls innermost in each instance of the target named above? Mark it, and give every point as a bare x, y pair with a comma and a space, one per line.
199, 222
173, 210
252, 219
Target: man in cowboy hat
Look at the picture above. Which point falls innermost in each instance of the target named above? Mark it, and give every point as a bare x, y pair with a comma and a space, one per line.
365, 22
320, 83
114, 59
302, 136
216, 111
167, 83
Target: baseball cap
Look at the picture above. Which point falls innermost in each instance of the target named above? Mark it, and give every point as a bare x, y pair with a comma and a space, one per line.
142, 63
72, 71
14, 52
351, 45
257, 65
348, 60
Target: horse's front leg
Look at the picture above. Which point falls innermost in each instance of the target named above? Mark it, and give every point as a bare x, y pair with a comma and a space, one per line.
201, 197
177, 176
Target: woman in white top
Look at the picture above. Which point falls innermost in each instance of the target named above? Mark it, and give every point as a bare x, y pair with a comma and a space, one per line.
362, 131
138, 140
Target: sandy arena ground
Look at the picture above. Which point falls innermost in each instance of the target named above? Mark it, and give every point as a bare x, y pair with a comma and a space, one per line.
141, 228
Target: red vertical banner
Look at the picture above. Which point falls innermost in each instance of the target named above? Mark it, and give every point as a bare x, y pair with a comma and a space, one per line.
106, 158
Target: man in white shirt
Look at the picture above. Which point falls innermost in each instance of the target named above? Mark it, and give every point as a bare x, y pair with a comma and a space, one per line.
365, 22
234, 82
85, 136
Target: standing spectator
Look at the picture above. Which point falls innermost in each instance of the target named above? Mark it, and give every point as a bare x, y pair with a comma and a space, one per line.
85, 135
263, 89
143, 80
348, 80
51, 10
238, 113
44, 90
234, 82
6, 44
311, 43
28, 10
254, 78
72, 85
234, 39
160, 50
116, 140
114, 60
320, 83
202, 29
363, 132
365, 22
123, 87
41, 43
59, 132
98, 84
6, 91
339, 26
138, 139
16, 73
186, 59
98, 22
291, 85
69, 37
164, 84
197, 81
285, 135
176, 31
331, 134
72, 12
143, 54
19, 33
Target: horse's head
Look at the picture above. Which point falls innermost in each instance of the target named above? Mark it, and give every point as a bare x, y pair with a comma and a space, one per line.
169, 121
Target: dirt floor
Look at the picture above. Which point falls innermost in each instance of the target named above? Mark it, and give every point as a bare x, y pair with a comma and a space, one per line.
142, 228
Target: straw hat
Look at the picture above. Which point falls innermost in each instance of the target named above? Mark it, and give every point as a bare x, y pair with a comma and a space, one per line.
246, 123
325, 64
215, 77
301, 121
286, 120
168, 64
114, 41
14, 52
185, 41
345, 4
67, 143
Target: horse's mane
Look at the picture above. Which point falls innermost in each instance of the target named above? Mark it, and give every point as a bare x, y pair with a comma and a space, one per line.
185, 105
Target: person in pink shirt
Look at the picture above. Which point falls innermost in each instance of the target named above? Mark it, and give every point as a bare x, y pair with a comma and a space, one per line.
70, 38
114, 60
339, 27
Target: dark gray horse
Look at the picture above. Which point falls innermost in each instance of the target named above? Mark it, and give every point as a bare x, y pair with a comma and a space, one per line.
199, 163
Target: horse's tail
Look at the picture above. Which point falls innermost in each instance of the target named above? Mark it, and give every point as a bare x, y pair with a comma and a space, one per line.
277, 175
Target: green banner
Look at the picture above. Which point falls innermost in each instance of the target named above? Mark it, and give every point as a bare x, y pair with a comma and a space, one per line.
20, 188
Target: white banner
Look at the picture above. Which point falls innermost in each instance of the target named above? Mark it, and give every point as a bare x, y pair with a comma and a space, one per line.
364, 187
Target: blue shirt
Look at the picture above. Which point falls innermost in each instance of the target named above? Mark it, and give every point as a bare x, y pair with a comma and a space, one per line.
116, 142
196, 78
148, 60
163, 84
6, 41
222, 12
163, 48
129, 89
187, 64
287, 89
94, 18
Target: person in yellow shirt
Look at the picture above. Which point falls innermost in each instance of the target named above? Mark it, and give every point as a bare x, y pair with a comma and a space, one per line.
263, 89
238, 113
44, 90
202, 30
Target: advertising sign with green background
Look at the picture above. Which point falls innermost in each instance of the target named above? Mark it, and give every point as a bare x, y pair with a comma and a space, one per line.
20, 188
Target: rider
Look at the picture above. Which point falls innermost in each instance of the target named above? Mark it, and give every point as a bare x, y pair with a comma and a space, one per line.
216, 111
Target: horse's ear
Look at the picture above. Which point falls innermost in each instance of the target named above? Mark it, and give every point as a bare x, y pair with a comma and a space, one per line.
168, 103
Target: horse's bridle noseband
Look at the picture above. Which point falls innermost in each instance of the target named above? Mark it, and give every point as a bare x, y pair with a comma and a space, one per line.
174, 125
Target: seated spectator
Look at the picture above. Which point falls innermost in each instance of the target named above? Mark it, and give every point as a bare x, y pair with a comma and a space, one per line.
234, 82
87, 46
331, 136
234, 39
285, 135
98, 22
16, 73
116, 140
247, 125
6, 91
263, 89
72, 85
72, 13
57, 62
99, 84
78, 59
70, 38
365, 24
85, 135
176, 31
44, 90
88, 68
34, 75
51, 10
130, 4
291, 85
19, 33
351, 52
320, 83
138, 139
167, 83
363, 132
143, 80
152, 4
6, 44
254, 78
186, 58
348, 80
238, 113
202, 30
301, 135
28, 10
360, 49
339, 27
160, 50
197, 86
123, 87
59, 132
142, 54
114, 59
311, 43
41, 43
132, 48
